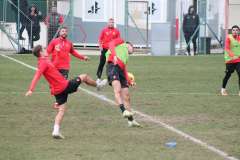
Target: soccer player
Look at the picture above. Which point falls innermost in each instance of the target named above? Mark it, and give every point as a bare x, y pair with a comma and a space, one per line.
59, 48
117, 58
108, 34
59, 86
232, 58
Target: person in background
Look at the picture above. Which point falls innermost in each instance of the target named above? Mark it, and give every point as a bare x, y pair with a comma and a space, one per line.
59, 49
232, 58
53, 21
108, 34
23, 7
34, 27
190, 24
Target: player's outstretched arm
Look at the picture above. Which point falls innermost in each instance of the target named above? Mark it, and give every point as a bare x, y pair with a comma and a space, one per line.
34, 82
75, 53
38, 74
79, 56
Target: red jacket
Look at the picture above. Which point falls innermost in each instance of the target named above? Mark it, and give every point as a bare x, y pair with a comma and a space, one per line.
60, 49
107, 35
57, 82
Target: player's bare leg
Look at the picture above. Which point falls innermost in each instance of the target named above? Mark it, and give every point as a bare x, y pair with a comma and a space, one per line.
58, 120
117, 93
126, 100
89, 81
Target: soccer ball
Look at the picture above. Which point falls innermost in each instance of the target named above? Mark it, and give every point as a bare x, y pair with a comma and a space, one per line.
131, 77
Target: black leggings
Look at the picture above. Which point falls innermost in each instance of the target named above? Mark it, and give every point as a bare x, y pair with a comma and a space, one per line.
23, 26
101, 63
194, 41
230, 68
35, 34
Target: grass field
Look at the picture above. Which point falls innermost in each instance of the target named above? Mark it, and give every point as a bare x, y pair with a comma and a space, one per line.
180, 91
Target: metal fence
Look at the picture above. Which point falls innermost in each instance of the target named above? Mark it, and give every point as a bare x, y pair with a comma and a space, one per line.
15, 20
211, 28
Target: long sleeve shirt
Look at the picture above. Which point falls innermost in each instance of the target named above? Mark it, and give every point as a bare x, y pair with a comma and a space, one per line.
60, 49
107, 35
190, 23
57, 82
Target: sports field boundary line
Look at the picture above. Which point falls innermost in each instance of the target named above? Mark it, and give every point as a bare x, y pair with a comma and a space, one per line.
148, 117
160, 93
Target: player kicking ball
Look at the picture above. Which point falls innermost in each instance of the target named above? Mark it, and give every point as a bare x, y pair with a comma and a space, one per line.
117, 58
59, 86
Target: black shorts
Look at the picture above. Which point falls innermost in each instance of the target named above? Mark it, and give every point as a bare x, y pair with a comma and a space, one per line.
231, 67
114, 72
64, 73
73, 85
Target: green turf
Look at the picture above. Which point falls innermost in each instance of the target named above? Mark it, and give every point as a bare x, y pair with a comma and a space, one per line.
180, 91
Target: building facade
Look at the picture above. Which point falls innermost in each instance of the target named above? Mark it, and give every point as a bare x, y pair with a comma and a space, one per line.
86, 18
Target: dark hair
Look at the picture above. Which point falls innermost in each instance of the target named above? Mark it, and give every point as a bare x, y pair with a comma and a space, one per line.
235, 26
190, 7
33, 6
36, 50
129, 43
63, 27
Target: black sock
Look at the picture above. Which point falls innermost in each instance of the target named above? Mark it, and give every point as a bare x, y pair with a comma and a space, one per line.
130, 118
122, 107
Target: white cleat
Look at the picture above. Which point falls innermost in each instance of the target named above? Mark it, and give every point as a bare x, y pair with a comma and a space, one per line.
133, 124
224, 92
127, 114
58, 136
98, 80
101, 83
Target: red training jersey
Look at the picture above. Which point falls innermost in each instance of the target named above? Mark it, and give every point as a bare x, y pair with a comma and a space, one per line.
60, 49
107, 35
228, 48
57, 82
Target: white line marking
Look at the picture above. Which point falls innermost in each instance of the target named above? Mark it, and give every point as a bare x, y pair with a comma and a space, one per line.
21, 92
145, 93
171, 128
179, 93
20, 62
150, 118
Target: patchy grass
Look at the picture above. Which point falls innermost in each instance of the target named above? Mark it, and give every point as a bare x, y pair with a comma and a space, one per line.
180, 91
